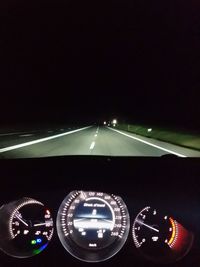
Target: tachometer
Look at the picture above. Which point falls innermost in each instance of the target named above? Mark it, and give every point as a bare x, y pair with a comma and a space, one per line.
159, 237
26, 228
92, 226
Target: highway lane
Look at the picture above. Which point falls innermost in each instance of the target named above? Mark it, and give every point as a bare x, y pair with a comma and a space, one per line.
17, 137
92, 140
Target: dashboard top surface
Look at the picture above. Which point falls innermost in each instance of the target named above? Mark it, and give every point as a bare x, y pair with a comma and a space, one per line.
168, 184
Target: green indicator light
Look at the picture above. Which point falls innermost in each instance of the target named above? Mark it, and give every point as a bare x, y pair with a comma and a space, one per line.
33, 242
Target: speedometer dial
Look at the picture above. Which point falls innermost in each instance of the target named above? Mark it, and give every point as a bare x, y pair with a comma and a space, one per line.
92, 226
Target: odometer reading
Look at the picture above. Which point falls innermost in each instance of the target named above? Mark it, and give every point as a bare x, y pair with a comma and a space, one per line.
92, 226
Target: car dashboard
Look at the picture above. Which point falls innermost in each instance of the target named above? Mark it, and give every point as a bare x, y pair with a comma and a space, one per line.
105, 211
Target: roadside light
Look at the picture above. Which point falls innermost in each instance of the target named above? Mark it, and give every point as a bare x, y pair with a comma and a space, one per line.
104, 123
114, 122
149, 130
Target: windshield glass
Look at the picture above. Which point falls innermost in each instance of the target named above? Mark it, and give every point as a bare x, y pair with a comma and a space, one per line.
111, 78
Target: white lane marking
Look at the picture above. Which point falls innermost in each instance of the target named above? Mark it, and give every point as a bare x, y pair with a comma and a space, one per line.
92, 145
97, 130
24, 135
148, 143
5, 149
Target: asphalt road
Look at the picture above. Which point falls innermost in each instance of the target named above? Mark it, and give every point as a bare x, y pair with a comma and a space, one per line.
91, 140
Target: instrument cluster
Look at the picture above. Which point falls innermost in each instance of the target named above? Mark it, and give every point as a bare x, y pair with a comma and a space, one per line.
92, 227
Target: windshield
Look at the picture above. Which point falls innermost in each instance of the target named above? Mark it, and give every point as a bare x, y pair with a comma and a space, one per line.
111, 78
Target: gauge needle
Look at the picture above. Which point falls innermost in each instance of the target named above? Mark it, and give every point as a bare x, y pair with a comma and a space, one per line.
39, 224
148, 226
21, 220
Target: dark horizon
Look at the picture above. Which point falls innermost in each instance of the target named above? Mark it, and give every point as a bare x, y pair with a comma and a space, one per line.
68, 61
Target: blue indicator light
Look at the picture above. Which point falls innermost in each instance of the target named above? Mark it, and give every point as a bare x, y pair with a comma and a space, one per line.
39, 240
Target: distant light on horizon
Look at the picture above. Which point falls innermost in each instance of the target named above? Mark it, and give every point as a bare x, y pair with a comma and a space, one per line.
114, 121
149, 130
104, 122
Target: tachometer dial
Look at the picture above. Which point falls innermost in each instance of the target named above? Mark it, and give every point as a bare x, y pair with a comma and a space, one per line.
28, 228
92, 226
160, 237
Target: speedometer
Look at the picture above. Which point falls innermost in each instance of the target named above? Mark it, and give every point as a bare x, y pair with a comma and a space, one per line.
92, 226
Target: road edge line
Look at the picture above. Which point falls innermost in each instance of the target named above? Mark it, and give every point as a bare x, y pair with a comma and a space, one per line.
148, 143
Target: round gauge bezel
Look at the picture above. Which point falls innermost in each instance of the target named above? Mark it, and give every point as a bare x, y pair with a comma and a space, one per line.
174, 240
9, 245
92, 255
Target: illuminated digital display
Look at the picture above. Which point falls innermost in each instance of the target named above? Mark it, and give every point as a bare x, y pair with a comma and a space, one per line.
92, 226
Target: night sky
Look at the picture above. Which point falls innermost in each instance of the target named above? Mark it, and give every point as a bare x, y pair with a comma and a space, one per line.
90, 60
